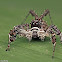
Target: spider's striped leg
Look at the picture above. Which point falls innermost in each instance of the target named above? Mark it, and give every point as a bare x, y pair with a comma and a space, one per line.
11, 39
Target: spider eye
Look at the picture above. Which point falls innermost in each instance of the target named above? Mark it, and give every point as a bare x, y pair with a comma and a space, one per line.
36, 23
33, 23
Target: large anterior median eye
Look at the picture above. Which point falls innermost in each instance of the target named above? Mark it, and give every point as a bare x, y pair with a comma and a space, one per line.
33, 23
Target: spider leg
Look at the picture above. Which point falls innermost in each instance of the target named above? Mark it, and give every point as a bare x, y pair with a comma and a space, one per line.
54, 45
12, 37
8, 48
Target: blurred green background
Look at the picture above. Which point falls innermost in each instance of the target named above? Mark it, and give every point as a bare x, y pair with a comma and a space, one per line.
12, 13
